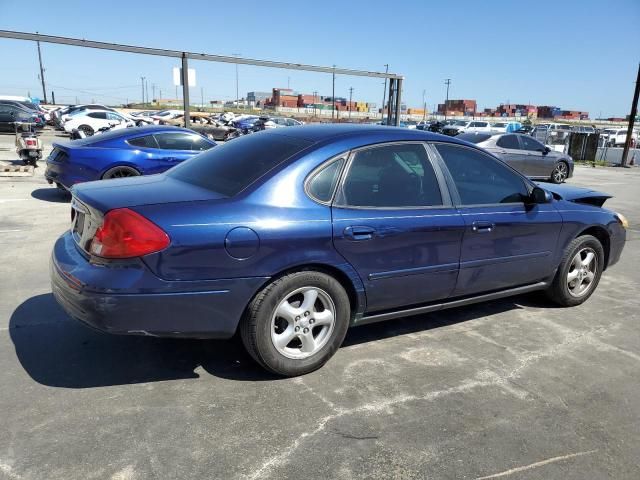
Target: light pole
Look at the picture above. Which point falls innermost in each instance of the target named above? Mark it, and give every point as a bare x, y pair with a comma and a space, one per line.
424, 105
237, 88
447, 82
142, 83
384, 93
350, 102
333, 94
315, 103
44, 91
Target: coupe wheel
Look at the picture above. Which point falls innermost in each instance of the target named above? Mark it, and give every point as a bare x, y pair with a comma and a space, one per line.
579, 272
296, 324
560, 172
120, 172
86, 129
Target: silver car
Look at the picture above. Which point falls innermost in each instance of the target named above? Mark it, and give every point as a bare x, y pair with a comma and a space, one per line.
525, 154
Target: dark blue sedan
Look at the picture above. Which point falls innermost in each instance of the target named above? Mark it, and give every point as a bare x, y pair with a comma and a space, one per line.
293, 235
122, 153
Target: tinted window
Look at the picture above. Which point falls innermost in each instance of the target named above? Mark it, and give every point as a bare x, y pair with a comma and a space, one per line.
478, 124
113, 116
101, 115
148, 141
181, 141
508, 141
391, 176
481, 179
530, 143
474, 137
323, 183
230, 168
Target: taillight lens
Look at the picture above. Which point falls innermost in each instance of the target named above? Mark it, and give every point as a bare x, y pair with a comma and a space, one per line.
31, 143
127, 234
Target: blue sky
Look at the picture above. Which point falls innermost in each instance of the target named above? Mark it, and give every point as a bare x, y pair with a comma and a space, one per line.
579, 55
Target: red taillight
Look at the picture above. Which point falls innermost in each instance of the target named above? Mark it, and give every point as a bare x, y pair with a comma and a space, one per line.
126, 234
31, 143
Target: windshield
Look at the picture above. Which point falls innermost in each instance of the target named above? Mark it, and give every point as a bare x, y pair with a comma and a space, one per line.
499, 125
460, 123
233, 166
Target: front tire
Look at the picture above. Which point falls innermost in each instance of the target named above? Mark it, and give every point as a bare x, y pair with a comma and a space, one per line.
579, 272
296, 323
560, 172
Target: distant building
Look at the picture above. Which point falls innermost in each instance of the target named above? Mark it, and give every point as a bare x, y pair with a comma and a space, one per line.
258, 98
458, 107
516, 110
556, 113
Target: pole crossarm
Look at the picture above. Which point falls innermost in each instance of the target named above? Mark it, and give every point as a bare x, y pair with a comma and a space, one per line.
80, 42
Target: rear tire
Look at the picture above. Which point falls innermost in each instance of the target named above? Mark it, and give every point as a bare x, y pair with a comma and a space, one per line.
120, 172
87, 130
560, 172
296, 323
579, 272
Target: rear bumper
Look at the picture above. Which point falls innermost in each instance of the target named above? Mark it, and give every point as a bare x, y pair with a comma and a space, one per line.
129, 299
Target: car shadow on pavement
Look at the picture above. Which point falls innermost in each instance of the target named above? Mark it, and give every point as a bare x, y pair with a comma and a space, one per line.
51, 194
60, 352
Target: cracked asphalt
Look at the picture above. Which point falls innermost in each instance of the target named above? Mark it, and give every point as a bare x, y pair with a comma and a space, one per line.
512, 389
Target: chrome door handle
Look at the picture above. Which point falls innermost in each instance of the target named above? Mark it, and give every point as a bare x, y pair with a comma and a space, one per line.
483, 227
359, 232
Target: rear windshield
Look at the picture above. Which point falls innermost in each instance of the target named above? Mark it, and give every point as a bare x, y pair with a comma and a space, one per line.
230, 168
473, 137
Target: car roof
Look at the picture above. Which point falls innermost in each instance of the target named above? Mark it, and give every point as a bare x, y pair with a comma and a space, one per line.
326, 132
123, 133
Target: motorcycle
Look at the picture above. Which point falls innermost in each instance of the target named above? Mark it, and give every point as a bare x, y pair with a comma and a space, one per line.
28, 144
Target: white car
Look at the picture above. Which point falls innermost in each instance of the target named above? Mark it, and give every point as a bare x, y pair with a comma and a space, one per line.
477, 126
91, 121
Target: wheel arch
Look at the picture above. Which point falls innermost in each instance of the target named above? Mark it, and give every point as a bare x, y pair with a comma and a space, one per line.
117, 165
603, 236
348, 278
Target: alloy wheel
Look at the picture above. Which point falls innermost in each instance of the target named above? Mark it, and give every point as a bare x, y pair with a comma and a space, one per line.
582, 272
560, 172
303, 322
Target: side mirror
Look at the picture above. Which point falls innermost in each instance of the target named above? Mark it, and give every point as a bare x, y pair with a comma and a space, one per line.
539, 195
546, 150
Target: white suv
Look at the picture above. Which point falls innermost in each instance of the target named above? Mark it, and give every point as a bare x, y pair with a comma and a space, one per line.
477, 126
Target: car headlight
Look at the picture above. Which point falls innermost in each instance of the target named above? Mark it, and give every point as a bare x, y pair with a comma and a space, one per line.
623, 220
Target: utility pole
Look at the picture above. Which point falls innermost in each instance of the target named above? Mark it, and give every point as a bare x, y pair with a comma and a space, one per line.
146, 87
424, 105
237, 88
384, 93
315, 103
632, 118
142, 82
44, 91
153, 89
447, 82
333, 94
350, 103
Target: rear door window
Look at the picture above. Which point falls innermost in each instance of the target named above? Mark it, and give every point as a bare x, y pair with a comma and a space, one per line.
398, 175
508, 141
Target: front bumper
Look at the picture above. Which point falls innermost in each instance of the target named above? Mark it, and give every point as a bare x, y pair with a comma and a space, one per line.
126, 298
